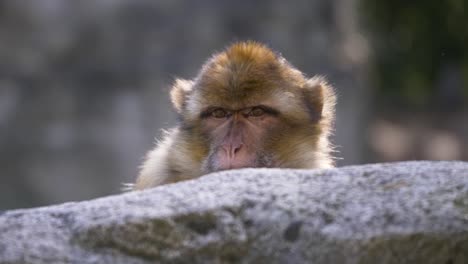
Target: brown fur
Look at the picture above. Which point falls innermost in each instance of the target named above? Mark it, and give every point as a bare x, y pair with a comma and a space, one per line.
244, 75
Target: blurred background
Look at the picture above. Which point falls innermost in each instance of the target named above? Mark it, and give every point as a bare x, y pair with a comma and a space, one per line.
84, 84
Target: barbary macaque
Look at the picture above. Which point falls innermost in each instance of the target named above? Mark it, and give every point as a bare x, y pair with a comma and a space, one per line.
247, 108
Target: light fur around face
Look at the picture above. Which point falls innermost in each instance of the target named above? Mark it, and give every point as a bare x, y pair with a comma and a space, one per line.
248, 107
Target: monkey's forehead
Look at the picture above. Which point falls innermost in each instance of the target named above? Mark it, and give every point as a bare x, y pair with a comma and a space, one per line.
237, 85
246, 64
244, 73
243, 85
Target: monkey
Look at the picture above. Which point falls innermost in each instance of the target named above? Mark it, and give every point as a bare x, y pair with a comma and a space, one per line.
248, 107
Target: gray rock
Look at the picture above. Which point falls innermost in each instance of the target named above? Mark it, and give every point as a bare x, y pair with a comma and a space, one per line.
410, 212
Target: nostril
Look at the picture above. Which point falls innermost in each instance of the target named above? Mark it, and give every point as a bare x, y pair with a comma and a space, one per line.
237, 148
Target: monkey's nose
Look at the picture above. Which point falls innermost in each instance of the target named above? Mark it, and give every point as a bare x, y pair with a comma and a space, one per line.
232, 149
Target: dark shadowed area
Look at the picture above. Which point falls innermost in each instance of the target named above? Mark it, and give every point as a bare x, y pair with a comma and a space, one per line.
84, 84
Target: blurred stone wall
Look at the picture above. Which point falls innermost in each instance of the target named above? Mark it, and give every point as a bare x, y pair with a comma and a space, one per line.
84, 84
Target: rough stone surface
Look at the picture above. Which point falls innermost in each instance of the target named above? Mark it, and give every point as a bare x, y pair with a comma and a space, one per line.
410, 212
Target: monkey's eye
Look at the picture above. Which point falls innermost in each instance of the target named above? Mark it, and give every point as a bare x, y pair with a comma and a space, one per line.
219, 113
256, 111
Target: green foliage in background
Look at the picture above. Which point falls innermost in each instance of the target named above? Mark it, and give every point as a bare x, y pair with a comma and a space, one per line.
420, 50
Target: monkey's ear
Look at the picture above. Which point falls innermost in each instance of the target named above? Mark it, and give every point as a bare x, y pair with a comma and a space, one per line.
320, 99
179, 93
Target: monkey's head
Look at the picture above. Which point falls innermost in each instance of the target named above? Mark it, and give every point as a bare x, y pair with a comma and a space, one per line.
248, 107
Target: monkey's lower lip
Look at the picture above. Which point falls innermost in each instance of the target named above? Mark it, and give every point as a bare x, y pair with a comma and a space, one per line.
235, 164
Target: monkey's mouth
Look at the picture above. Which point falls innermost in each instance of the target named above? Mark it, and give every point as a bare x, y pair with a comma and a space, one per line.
219, 161
237, 162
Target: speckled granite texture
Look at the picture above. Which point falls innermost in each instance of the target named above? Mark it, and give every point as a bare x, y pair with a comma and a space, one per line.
410, 212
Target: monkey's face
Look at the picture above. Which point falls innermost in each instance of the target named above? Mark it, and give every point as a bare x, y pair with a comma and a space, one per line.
237, 137
249, 108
